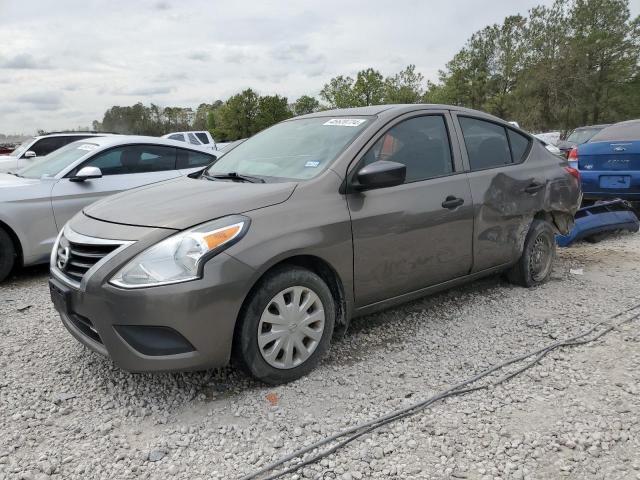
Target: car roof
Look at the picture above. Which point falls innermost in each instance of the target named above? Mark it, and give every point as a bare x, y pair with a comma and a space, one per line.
397, 109
600, 125
116, 140
73, 134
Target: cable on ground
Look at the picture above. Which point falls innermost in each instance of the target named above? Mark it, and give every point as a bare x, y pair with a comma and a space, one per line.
361, 429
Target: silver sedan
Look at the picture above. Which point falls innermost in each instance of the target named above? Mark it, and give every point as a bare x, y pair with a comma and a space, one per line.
38, 200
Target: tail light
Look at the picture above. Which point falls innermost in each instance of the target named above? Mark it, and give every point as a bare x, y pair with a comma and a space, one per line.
573, 159
574, 172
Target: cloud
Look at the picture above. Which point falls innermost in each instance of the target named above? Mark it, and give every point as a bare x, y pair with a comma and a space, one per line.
42, 100
162, 6
25, 61
199, 56
148, 91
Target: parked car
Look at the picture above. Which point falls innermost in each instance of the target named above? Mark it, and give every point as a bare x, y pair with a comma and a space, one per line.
550, 138
609, 163
32, 148
550, 147
203, 138
7, 148
579, 136
38, 200
303, 226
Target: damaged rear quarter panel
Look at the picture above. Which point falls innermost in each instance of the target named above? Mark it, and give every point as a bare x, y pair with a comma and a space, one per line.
504, 210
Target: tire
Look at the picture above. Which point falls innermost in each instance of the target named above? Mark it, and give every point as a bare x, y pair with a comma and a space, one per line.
7, 255
274, 300
535, 265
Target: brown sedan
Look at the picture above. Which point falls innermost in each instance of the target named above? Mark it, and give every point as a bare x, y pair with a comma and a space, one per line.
283, 240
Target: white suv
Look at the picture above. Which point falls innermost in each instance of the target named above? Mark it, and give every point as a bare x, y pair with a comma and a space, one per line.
40, 146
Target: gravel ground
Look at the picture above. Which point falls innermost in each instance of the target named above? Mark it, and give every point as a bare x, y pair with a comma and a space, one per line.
68, 413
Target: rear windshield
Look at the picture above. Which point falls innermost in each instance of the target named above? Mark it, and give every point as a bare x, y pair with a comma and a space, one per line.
620, 132
296, 149
52, 164
583, 135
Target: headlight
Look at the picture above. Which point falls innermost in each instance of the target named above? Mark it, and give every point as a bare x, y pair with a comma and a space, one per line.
180, 258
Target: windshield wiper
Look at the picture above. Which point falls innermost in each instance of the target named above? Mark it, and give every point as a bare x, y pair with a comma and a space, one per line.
16, 174
234, 176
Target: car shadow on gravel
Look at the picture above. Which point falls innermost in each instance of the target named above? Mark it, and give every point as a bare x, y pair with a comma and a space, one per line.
27, 274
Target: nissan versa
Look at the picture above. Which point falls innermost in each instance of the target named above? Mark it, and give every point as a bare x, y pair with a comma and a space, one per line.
266, 252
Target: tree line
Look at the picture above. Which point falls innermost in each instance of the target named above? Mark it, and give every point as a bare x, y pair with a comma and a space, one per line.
573, 63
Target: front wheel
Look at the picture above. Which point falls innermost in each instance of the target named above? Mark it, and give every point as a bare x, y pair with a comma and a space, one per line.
286, 326
535, 265
7, 255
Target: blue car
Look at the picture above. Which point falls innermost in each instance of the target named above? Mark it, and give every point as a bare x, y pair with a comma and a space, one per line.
609, 163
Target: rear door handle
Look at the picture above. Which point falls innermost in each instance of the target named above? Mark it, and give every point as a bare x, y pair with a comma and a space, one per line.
534, 187
452, 202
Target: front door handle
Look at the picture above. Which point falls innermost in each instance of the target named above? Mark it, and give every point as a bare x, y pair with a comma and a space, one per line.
452, 202
534, 187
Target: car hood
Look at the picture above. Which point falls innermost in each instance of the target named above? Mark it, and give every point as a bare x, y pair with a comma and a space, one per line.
8, 163
184, 202
7, 180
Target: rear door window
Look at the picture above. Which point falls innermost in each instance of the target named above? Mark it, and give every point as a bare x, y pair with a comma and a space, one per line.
486, 142
420, 143
134, 159
177, 136
193, 140
519, 145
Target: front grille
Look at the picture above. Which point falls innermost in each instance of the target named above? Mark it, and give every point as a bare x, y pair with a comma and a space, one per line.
74, 259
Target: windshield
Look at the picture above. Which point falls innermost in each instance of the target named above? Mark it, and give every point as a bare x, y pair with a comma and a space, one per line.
583, 135
52, 164
297, 149
620, 132
22, 148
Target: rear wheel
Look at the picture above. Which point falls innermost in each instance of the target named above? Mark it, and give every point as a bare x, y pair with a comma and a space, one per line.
286, 326
535, 265
7, 255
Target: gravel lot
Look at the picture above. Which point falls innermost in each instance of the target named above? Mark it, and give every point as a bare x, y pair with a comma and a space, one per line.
68, 413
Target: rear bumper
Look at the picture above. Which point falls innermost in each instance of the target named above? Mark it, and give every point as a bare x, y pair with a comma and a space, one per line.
591, 181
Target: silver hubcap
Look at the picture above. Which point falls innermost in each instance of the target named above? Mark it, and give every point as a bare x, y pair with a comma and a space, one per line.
291, 327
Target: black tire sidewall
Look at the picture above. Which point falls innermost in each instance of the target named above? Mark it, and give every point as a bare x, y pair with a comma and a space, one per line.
538, 228
246, 350
7, 255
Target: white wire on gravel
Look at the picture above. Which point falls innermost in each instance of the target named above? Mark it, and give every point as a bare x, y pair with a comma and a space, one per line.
361, 429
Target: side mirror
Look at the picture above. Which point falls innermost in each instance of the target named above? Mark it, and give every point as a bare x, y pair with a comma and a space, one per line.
380, 174
86, 173
29, 154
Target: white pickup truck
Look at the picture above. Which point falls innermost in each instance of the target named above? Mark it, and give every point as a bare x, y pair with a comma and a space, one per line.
202, 138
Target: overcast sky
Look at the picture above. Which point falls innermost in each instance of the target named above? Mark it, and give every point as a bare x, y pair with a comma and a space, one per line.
63, 63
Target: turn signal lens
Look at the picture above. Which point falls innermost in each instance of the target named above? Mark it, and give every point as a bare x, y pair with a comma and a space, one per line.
220, 237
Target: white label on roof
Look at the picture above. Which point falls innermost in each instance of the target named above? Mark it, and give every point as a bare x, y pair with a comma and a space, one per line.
345, 122
87, 146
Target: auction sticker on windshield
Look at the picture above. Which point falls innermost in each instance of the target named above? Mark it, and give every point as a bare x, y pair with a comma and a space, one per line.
345, 122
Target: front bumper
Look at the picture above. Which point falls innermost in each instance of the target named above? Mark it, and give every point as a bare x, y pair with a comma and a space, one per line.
185, 326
